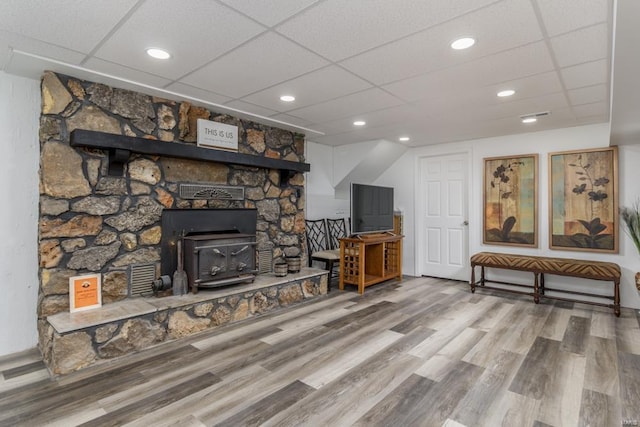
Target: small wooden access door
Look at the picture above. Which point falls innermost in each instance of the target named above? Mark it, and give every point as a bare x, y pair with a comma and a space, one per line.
370, 259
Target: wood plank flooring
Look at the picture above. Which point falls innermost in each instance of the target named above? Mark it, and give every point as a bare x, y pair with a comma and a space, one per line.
423, 352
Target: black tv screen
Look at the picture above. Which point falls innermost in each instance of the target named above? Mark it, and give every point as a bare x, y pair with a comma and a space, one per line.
371, 208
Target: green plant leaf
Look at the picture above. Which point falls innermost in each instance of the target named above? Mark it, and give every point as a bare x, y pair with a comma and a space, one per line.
631, 218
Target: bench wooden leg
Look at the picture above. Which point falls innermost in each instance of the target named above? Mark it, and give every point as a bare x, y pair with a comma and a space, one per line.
616, 298
482, 276
541, 283
473, 279
536, 294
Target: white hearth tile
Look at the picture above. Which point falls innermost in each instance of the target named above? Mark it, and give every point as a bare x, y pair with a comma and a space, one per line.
67, 322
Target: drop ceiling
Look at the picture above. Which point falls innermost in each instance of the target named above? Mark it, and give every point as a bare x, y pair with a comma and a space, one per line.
387, 62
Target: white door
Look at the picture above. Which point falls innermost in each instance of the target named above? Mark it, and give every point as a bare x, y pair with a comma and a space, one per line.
445, 237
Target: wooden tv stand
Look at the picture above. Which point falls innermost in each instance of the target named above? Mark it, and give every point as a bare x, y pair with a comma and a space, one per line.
369, 259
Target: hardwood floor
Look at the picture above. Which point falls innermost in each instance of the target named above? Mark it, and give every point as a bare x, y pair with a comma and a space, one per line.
424, 352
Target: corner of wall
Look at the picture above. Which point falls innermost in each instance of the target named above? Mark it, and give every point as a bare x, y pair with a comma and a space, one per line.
19, 111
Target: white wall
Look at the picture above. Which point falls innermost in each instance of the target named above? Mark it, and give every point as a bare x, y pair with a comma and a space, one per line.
19, 113
541, 143
402, 175
320, 194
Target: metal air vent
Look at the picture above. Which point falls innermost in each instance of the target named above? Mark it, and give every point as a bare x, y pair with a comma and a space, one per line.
536, 115
265, 258
141, 279
206, 191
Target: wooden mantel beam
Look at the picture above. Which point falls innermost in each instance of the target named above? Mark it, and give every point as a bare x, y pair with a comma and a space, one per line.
120, 147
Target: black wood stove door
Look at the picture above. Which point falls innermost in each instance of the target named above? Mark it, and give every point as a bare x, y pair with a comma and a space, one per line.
219, 259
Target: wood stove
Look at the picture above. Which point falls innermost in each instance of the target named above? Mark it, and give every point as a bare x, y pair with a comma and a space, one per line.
219, 245
213, 260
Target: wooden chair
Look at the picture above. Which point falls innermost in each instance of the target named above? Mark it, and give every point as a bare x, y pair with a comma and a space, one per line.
318, 246
337, 229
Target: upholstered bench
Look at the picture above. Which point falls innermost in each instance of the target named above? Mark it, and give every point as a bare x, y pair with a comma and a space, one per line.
539, 266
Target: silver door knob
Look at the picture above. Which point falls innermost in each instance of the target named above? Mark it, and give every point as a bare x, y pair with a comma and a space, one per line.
465, 222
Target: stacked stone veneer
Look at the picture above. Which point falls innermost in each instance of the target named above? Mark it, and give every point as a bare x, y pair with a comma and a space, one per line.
82, 347
91, 222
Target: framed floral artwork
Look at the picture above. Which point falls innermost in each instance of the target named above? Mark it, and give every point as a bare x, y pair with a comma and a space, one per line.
583, 205
511, 200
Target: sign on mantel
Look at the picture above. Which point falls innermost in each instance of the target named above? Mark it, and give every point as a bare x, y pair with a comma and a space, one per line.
217, 135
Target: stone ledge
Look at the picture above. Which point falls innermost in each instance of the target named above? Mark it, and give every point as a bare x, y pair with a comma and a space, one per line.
134, 307
75, 341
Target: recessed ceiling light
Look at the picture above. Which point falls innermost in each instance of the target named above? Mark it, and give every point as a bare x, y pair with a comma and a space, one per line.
529, 120
507, 92
287, 98
463, 43
404, 138
359, 123
154, 52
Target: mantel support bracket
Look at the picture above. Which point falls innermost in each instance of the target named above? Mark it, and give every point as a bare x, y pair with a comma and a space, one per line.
285, 176
117, 158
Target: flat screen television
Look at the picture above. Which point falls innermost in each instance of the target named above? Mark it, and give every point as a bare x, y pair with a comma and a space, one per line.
371, 209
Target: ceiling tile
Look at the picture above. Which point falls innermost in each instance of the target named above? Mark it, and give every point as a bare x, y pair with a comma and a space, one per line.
539, 84
515, 63
396, 71
576, 47
567, 15
30, 66
521, 107
187, 32
589, 120
49, 21
349, 106
12, 41
330, 27
197, 93
126, 73
255, 109
317, 86
485, 96
297, 121
269, 12
588, 95
439, 84
400, 116
429, 50
589, 74
264, 61
596, 109
508, 114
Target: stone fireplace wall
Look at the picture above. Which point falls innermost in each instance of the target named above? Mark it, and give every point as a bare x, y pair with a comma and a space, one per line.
92, 222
